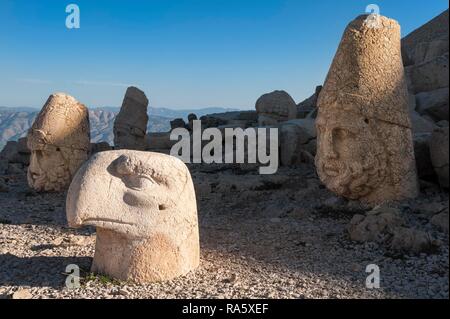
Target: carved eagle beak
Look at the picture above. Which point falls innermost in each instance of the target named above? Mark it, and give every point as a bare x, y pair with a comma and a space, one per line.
95, 198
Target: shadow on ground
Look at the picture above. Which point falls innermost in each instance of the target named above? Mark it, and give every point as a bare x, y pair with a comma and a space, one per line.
40, 271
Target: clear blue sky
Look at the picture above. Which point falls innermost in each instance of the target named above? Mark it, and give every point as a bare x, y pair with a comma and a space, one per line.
182, 53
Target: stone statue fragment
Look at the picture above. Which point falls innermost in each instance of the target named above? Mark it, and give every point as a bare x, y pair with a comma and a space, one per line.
364, 145
59, 141
144, 208
130, 125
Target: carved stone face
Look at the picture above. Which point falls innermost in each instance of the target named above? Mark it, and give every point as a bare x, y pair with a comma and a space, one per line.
364, 145
350, 158
59, 143
143, 205
48, 168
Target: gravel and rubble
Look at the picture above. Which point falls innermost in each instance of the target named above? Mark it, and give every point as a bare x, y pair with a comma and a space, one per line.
262, 236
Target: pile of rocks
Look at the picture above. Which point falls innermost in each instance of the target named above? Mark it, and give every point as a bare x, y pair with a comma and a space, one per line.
14, 157
160, 142
387, 226
425, 54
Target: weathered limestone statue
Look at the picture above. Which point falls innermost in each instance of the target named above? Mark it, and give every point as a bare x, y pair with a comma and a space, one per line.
59, 141
130, 125
275, 107
143, 205
364, 145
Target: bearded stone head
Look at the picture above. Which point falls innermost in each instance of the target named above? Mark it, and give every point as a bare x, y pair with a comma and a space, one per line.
59, 142
364, 139
144, 208
351, 160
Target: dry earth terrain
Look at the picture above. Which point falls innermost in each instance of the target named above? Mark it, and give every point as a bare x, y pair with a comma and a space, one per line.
277, 236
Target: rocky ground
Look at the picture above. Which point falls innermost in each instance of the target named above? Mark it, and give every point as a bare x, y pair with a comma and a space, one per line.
278, 236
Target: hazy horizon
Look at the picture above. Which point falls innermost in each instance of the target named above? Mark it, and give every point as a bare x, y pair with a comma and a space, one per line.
182, 54
172, 108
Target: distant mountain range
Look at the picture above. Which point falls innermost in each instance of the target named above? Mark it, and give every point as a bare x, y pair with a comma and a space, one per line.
158, 111
15, 121
173, 114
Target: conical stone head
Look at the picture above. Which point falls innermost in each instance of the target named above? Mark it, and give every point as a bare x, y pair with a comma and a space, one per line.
364, 144
59, 140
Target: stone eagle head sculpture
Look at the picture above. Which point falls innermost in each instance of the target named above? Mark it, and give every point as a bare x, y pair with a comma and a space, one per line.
144, 208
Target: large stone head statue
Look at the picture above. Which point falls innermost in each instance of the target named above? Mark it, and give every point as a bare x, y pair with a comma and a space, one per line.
364, 144
275, 107
143, 205
130, 125
59, 141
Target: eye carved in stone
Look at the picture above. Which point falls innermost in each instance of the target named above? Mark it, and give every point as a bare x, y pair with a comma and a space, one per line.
140, 182
343, 133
